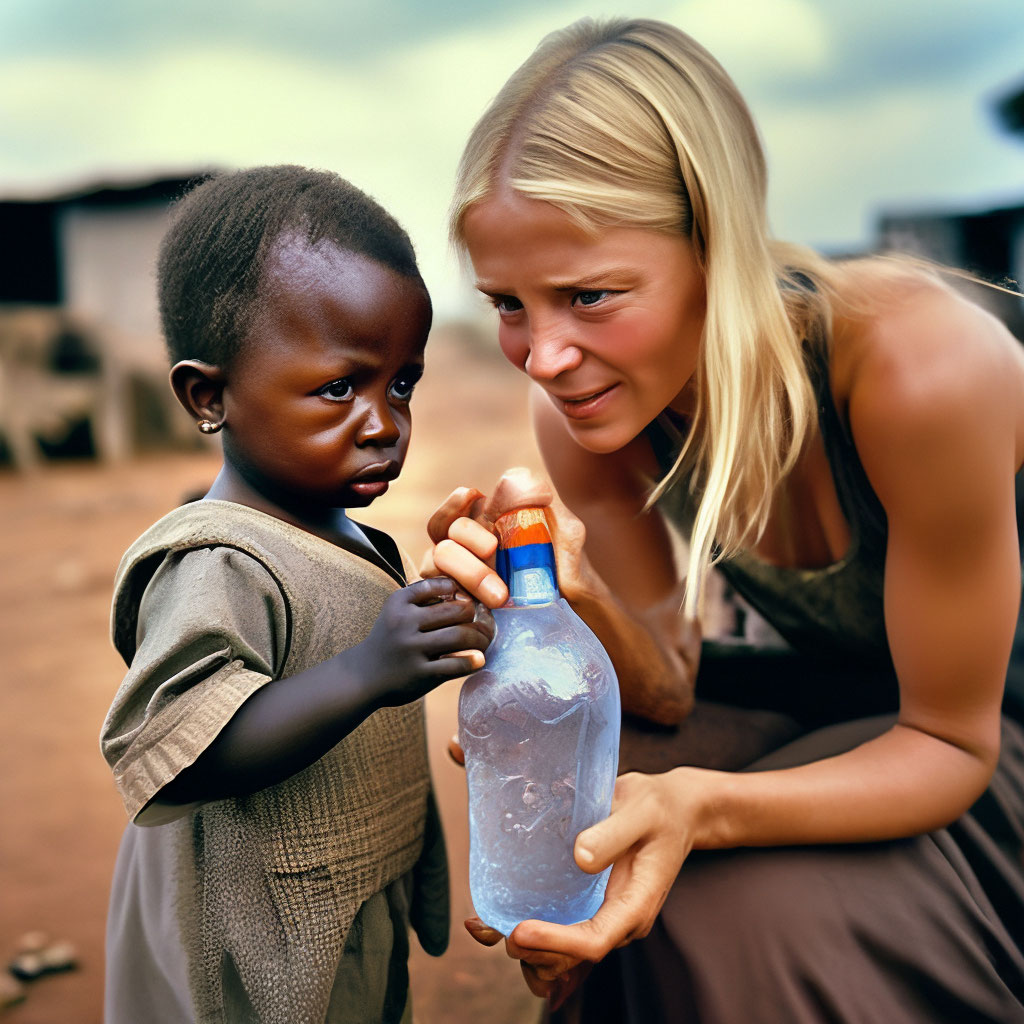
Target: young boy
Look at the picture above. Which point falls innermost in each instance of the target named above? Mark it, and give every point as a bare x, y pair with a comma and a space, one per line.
270, 726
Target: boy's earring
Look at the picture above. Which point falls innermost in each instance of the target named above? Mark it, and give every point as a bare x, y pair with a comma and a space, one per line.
209, 427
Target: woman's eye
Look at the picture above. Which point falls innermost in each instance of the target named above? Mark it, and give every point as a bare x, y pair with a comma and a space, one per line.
506, 304
338, 391
591, 298
402, 387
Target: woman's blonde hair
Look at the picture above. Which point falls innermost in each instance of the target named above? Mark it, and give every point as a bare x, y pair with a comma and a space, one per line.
633, 123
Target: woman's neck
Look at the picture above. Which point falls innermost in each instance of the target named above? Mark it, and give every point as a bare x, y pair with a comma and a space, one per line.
684, 404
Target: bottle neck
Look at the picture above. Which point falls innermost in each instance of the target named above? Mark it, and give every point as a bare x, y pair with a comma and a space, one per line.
526, 558
529, 573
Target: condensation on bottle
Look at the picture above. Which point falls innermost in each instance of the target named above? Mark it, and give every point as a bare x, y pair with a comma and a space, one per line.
540, 730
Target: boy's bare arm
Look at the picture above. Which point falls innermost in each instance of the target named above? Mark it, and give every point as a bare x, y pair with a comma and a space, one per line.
289, 723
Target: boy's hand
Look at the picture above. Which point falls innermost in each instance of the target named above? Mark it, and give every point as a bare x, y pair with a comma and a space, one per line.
426, 633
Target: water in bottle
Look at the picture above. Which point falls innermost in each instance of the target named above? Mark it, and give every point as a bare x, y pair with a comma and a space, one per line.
540, 730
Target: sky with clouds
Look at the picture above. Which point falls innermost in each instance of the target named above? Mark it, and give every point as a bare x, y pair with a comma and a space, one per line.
882, 104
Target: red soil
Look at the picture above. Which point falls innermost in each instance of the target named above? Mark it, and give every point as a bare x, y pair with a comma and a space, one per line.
64, 530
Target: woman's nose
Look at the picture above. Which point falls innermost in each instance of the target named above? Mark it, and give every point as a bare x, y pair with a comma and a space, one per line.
551, 353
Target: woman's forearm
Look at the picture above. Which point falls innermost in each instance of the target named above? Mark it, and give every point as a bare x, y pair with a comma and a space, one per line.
655, 653
903, 783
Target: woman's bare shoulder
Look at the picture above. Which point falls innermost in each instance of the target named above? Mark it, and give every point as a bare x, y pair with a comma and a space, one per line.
917, 340
916, 358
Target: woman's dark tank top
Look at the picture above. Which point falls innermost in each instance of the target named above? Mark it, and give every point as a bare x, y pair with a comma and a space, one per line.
835, 611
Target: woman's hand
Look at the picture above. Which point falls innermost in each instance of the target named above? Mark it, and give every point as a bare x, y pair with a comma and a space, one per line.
462, 531
464, 546
647, 837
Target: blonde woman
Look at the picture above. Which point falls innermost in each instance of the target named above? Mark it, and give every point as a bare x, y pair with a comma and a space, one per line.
844, 440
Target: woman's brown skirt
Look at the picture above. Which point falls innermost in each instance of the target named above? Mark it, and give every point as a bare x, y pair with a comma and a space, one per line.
928, 929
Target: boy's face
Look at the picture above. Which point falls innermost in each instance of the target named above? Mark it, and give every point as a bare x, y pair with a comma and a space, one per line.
316, 403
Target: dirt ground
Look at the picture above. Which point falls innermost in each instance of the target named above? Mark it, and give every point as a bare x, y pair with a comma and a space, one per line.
63, 531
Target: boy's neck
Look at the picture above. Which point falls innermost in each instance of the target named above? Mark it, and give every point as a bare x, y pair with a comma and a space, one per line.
331, 524
231, 485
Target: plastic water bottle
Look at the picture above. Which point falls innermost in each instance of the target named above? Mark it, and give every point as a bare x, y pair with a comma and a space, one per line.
540, 730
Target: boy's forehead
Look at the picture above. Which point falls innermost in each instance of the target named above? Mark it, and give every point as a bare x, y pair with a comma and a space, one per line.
303, 279
292, 255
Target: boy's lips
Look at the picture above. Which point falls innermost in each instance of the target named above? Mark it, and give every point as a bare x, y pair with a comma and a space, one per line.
369, 488
376, 471
372, 481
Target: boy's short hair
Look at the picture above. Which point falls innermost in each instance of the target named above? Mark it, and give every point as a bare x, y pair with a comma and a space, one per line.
212, 259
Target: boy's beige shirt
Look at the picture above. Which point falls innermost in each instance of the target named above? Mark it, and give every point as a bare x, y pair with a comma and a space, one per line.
268, 884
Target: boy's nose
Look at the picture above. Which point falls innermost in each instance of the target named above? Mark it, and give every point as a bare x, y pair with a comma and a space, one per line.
379, 425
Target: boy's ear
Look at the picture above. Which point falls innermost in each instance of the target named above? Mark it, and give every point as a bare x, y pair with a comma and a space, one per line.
199, 387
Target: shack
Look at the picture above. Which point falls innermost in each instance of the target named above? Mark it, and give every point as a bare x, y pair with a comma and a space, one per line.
82, 364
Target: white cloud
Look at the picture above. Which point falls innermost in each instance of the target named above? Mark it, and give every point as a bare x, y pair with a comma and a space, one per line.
394, 123
832, 169
755, 40
395, 120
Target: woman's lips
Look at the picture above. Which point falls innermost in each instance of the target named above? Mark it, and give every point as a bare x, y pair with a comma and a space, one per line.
587, 405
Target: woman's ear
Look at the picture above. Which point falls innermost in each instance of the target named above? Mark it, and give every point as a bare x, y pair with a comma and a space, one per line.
199, 387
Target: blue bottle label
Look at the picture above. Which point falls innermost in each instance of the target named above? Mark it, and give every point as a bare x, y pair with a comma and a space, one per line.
529, 572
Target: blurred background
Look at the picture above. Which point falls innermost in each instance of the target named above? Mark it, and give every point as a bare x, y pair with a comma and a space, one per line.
887, 125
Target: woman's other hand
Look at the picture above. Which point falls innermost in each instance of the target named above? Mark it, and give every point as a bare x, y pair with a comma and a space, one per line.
646, 838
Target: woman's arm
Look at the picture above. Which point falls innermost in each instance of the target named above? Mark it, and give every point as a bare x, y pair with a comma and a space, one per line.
615, 561
934, 398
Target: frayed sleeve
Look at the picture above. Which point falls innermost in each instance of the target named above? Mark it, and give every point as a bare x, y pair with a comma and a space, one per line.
212, 629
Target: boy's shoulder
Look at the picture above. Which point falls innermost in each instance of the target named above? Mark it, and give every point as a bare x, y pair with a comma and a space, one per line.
209, 522
317, 579
203, 527
205, 524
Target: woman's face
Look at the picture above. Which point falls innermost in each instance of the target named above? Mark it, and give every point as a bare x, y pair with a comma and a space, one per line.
608, 324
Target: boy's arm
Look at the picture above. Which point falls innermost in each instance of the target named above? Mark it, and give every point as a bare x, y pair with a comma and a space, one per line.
201, 714
289, 723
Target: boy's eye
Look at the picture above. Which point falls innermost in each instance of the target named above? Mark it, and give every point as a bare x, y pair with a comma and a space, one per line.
589, 298
338, 391
402, 386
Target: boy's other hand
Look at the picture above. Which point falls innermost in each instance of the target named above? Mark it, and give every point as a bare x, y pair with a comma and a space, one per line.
548, 977
455, 751
425, 634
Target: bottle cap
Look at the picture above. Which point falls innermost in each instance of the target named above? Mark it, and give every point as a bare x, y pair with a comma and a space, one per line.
522, 526
526, 558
